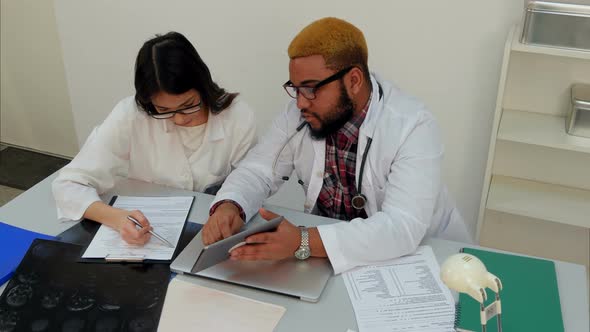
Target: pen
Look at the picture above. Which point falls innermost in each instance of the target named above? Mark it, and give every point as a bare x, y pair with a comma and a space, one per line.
156, 235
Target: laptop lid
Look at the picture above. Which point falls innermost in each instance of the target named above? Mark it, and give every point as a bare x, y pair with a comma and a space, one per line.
301, 279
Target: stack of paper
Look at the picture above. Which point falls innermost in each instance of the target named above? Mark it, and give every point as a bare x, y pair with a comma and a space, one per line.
404, 294
189, 307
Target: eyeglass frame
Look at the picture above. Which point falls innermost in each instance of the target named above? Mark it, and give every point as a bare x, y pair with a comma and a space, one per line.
315, 88
183, 111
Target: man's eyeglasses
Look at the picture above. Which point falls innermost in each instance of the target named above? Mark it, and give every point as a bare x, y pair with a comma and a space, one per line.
188, 110
309, 91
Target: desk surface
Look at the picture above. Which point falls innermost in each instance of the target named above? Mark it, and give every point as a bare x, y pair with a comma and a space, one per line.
35, 210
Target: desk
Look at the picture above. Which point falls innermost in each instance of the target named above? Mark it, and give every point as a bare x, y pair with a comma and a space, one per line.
35, 210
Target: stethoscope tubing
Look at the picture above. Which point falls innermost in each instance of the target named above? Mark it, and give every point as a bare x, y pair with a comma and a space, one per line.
359, 195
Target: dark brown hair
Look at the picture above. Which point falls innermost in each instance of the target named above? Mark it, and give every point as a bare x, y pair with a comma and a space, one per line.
170, 63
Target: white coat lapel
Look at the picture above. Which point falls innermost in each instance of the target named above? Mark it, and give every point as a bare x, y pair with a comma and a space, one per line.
317, 172
366, 131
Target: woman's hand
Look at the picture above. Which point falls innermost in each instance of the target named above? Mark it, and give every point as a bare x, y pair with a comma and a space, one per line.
117, 219
130, 232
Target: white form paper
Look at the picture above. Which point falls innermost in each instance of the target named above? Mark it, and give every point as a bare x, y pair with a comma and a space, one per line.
166, 215
190, 307
404, 294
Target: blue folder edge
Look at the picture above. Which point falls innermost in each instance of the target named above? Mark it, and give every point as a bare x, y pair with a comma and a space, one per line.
14, 243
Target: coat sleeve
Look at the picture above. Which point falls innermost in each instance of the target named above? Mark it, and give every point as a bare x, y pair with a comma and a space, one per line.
254, 179
104, 156
246, 138
411, 190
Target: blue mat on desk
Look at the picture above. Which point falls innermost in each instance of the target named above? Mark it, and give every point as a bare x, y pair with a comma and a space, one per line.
14, 243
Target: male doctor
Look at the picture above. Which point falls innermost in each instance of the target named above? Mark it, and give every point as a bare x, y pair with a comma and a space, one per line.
364, 152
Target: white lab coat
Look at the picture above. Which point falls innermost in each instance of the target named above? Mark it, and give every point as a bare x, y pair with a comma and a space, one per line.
130, 143
402, 179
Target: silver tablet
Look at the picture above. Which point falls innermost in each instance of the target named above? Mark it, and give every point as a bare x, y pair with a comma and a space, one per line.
219, 251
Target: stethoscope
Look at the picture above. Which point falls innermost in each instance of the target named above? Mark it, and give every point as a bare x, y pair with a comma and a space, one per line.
274, 163
359, 200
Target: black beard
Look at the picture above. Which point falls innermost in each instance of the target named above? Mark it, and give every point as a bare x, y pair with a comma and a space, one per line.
343, 114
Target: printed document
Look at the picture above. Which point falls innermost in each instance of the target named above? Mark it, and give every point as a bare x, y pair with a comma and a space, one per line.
167, 216
404, 294
190, 307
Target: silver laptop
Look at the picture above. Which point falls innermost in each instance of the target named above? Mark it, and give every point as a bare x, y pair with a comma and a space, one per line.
301, 279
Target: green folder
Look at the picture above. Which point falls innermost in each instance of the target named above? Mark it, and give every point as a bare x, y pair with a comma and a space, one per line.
530, 298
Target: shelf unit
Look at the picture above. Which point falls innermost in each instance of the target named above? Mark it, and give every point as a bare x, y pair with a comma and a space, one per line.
540, 200
537, 178
539, 129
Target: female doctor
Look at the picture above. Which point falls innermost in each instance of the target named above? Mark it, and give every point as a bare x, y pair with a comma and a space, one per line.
180, 130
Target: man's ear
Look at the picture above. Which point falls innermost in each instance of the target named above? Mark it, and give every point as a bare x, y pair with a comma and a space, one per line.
356, 79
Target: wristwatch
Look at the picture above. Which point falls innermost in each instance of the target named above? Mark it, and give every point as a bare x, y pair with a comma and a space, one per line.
303, 252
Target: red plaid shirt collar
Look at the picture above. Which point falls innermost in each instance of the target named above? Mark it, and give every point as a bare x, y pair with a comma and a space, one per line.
339, 183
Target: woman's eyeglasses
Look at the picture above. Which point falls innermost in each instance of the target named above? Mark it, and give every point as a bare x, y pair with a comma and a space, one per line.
168, 115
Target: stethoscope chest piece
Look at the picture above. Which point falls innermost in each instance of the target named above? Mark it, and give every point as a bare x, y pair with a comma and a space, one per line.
359, 201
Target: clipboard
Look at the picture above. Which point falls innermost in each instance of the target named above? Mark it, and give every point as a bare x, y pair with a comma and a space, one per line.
92, 227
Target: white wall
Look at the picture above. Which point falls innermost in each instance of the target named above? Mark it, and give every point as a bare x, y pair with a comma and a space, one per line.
35, 106
448, 53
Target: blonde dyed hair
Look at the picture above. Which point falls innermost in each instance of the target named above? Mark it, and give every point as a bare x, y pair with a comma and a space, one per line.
340, 43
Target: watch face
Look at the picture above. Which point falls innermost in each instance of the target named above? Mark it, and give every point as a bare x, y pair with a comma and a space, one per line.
302, 253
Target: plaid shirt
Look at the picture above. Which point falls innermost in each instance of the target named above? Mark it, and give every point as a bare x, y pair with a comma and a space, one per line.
339, 186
